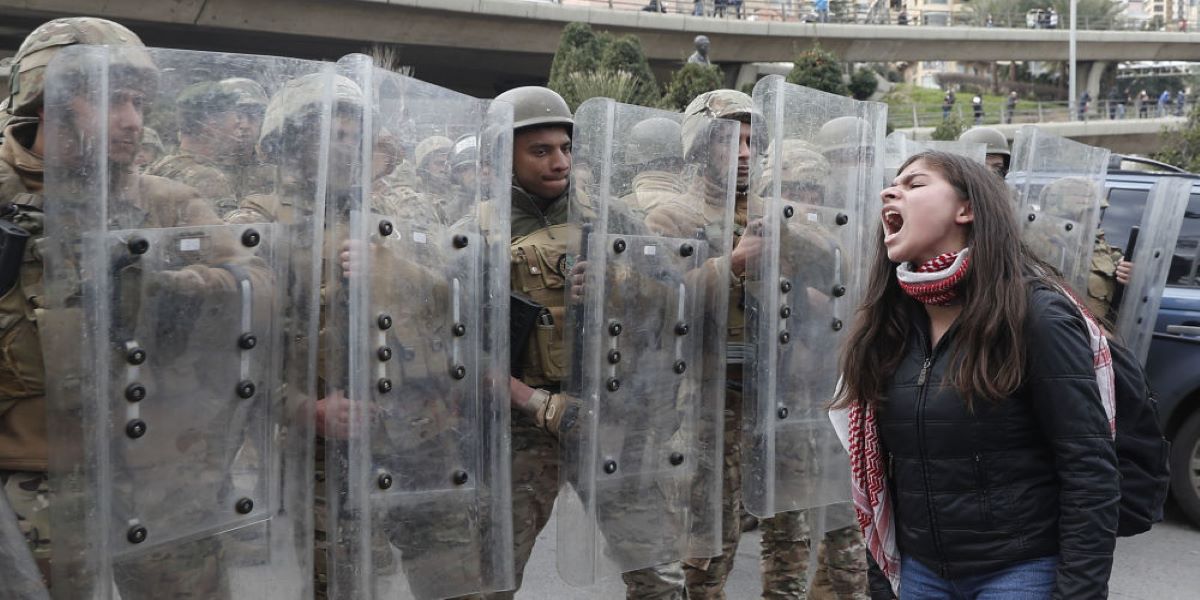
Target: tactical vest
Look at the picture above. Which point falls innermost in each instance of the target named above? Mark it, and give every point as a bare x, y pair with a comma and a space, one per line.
540, 268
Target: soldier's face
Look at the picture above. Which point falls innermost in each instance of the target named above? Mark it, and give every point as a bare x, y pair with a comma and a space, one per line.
235, 132
744, 154
125, 117
542, 161
923, 215
995, 162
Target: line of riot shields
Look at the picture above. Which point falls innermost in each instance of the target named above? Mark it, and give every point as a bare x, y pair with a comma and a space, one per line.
311, 284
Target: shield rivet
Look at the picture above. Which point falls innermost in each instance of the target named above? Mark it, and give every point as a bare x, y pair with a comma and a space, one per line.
686, 250
460, 478
785, 312
785, 286
136, 392
1069, 226
245, 389
460, 330
459, 372
135, 428
247, 341
680, 367
676, 458
461, 241
841, 219
839, 291
250, 238
610, 466
784, 337
244, 506
613, 384
837, 325
384, 385
137, 534
136, 356
619, 246
681, 328
614, 328
384, 481
788, 211
1032, 217
138, 245
384, 322
783, 412
386, 228
614, 356
384, 353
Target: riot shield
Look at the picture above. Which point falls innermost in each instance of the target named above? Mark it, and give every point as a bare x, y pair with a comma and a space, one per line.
178, 347
1059, 185
898, 147
418, 483
641, 468
22, 579
1161, 221
802, 289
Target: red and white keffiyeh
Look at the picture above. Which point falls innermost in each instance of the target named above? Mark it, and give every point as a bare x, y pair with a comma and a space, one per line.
936, 280
859, 433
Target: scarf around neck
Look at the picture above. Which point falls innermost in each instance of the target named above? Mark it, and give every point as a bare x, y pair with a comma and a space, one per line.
936, 280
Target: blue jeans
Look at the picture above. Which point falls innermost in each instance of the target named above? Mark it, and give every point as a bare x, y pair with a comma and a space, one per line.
1029, 580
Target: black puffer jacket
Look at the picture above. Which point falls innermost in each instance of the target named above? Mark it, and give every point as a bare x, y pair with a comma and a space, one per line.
1034, 475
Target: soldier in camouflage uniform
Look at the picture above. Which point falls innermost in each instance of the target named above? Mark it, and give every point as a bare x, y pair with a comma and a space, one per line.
219, 124
152, 149
656, 152
998, 153
24, 448
1108, 268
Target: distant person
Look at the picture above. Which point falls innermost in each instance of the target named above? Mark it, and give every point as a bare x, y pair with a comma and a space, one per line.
1010, 107
737, 8
947, 105
822, 7
1142, 104
902, 18
977, 108
719, 8
989, 20
1114, 100
1180, 101
1084, 101
1164, 100
655, 6
1052, 19
698, 8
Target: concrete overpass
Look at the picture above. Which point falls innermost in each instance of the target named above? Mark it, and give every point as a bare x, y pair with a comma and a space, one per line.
1127, 136
484, 46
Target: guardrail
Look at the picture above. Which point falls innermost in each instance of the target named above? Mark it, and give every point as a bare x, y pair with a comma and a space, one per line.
905, 116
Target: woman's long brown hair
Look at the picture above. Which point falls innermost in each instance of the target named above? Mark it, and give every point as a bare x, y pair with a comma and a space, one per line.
989, 353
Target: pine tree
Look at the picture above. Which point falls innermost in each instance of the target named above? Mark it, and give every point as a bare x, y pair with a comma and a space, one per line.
624, 55
691, 81
820, 70
578, 51
948, 130
863, 83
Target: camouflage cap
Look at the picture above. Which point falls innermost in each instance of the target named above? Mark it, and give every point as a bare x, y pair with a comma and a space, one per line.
304, 95
28, 72
217, 96
801, 162
717, 104
431, 144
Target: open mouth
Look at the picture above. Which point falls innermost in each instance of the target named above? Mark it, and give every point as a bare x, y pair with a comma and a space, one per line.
893, 222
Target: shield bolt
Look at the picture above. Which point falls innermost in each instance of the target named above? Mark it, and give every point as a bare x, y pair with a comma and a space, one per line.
384, 481
610, 466
460, 330
461, 241
613, 384
1069, 226
681, 328
680, 367
676, 458
138, 245
841, 219
788, 211
247, 341
244, 506
839, 291
785, 312
245, 389
614, 357
135, 428
136, 392
1032, 217
386, 228
136, 356
785, 286
137, 534
384, 353
619, 246
385, 322
784, 337
837, 325
783, 412
460, 477
614, 328
250, 238
686, 250
384, 385
459, 372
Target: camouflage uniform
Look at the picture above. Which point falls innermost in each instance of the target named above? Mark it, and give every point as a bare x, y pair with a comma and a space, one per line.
224, 180
1102, 277
655, 152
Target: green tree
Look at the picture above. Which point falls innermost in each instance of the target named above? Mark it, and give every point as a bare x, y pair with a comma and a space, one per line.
579, 50
689, 82
948, 130
818, 69
863, 83
624, 54
1181, 147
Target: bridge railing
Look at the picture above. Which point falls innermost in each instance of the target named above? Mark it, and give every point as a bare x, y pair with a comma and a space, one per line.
905, 116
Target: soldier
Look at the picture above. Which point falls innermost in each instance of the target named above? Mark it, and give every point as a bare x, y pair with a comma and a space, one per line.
433, 164
38, 310
998, 155
152, 149
463, 158
219, 123
655, 151
1109, 267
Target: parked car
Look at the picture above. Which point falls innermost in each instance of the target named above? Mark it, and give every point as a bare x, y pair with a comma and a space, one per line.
1173, 366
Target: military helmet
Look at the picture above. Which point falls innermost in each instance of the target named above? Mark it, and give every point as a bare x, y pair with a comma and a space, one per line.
28, 75
465, 151
656, 138
717, 104
1069, 198
300, 97
842, 134
429, 145
801, 162
989, 136
537, 106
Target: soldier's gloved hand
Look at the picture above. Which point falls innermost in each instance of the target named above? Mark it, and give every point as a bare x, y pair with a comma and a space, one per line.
748, 249
578, 279
1124, 271
335, 413
183, 282
351, 257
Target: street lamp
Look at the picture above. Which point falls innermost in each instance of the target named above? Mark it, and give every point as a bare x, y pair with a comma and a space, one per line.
1072, 98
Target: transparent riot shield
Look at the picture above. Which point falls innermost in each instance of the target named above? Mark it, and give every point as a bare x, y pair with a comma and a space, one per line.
178, 347
641, 468
22, 579
1059, 185
1157, 235
821, 151
417, 393
899, 146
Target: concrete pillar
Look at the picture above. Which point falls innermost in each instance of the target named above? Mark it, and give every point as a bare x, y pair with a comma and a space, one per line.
1093, 72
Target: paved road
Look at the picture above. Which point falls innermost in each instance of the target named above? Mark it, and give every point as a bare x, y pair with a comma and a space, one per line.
1161, 565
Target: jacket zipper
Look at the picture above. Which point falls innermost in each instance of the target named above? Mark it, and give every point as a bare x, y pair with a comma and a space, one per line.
922, 396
